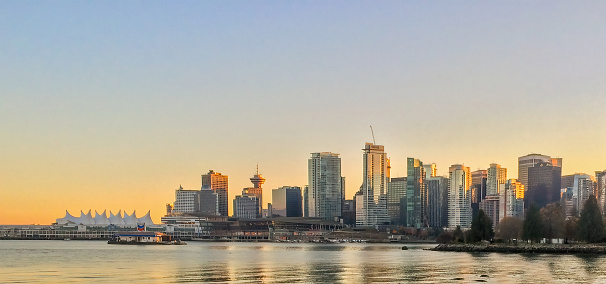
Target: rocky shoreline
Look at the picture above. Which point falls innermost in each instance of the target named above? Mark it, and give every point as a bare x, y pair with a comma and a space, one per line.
524, 248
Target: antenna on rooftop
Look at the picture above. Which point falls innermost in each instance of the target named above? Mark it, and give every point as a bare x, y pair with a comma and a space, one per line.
373, 135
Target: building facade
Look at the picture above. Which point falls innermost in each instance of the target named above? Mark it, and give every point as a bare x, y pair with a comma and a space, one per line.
437, 205
416, 195
219, 184
459, 197
246, 206
496, 175
396, 194
206, 202
371, 205
544, 184
287, 201
325, 193
184, 201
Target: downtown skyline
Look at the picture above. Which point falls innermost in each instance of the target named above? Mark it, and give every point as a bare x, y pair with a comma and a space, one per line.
106, 108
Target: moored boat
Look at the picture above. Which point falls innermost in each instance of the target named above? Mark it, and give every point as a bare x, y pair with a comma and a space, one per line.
143, 238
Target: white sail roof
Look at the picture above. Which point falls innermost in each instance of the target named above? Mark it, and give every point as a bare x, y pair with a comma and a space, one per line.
116, 219
102, 219
146, 219
130, 219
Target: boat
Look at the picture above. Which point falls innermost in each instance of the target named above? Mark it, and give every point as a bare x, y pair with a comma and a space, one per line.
143, 238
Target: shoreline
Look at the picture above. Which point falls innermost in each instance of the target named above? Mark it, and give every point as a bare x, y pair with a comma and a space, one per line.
525, 248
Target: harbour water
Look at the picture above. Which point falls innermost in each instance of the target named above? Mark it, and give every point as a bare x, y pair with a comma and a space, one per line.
208, 262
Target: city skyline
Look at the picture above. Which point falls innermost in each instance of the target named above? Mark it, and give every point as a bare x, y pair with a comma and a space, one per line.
106, 108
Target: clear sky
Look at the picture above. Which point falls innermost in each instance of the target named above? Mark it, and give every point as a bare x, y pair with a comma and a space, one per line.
112, 104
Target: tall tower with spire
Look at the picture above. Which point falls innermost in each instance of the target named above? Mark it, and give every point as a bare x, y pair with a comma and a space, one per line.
257, 181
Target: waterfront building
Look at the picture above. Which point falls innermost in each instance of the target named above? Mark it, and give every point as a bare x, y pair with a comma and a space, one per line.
306, 201
396, 200
416, 195
530, 160
246, 206
325, 193
544, 184
184, 200
256, 191
459, 197
206, 202
218, 183
496, 175
371, 206
437, 202
349, 212
101, 220
600, 177
287, 201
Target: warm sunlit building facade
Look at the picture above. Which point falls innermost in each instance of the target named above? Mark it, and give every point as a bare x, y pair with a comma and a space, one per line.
325, 186
184, 201
416, 195
371, 205
219, 183
496, 175
459, 197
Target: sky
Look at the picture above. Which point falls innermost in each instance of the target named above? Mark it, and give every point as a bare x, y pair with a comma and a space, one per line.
112, 105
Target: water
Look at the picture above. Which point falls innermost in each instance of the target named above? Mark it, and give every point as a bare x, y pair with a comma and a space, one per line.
197, 262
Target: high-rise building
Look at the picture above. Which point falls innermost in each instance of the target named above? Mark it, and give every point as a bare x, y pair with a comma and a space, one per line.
459, 197
490, 205
496, 175
437, 201
349, 212
256, 191
416, 195
544, 184
529, 161
206, 202
306, 201
396, 193
580, 187
287, 201
246, 207
218, 183
430, 170
512, 199
371, 206
184, 200
325, 193
600, 189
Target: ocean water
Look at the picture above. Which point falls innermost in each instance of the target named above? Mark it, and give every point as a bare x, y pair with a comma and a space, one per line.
205, 262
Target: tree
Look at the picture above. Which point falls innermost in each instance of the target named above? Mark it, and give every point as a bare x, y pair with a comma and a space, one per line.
510, 228
591, 227
481, 228
571, 227
459, 237
553, 218
532, 228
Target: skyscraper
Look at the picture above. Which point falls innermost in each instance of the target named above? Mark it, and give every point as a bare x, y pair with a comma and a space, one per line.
437, 201
430, 170
371, 205
544, 184
218, 183
496, 175
600, 177
256, 191
416, 195
530, 160
286, 201
459, 197
581, 186
325, 192
396, 201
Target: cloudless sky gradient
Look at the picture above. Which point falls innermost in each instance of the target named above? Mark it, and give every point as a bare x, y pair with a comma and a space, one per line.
112, 105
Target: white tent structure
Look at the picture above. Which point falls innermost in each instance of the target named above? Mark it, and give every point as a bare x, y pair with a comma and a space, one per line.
102, 220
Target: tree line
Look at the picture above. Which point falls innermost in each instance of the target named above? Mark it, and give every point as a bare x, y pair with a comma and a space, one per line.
548, 223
